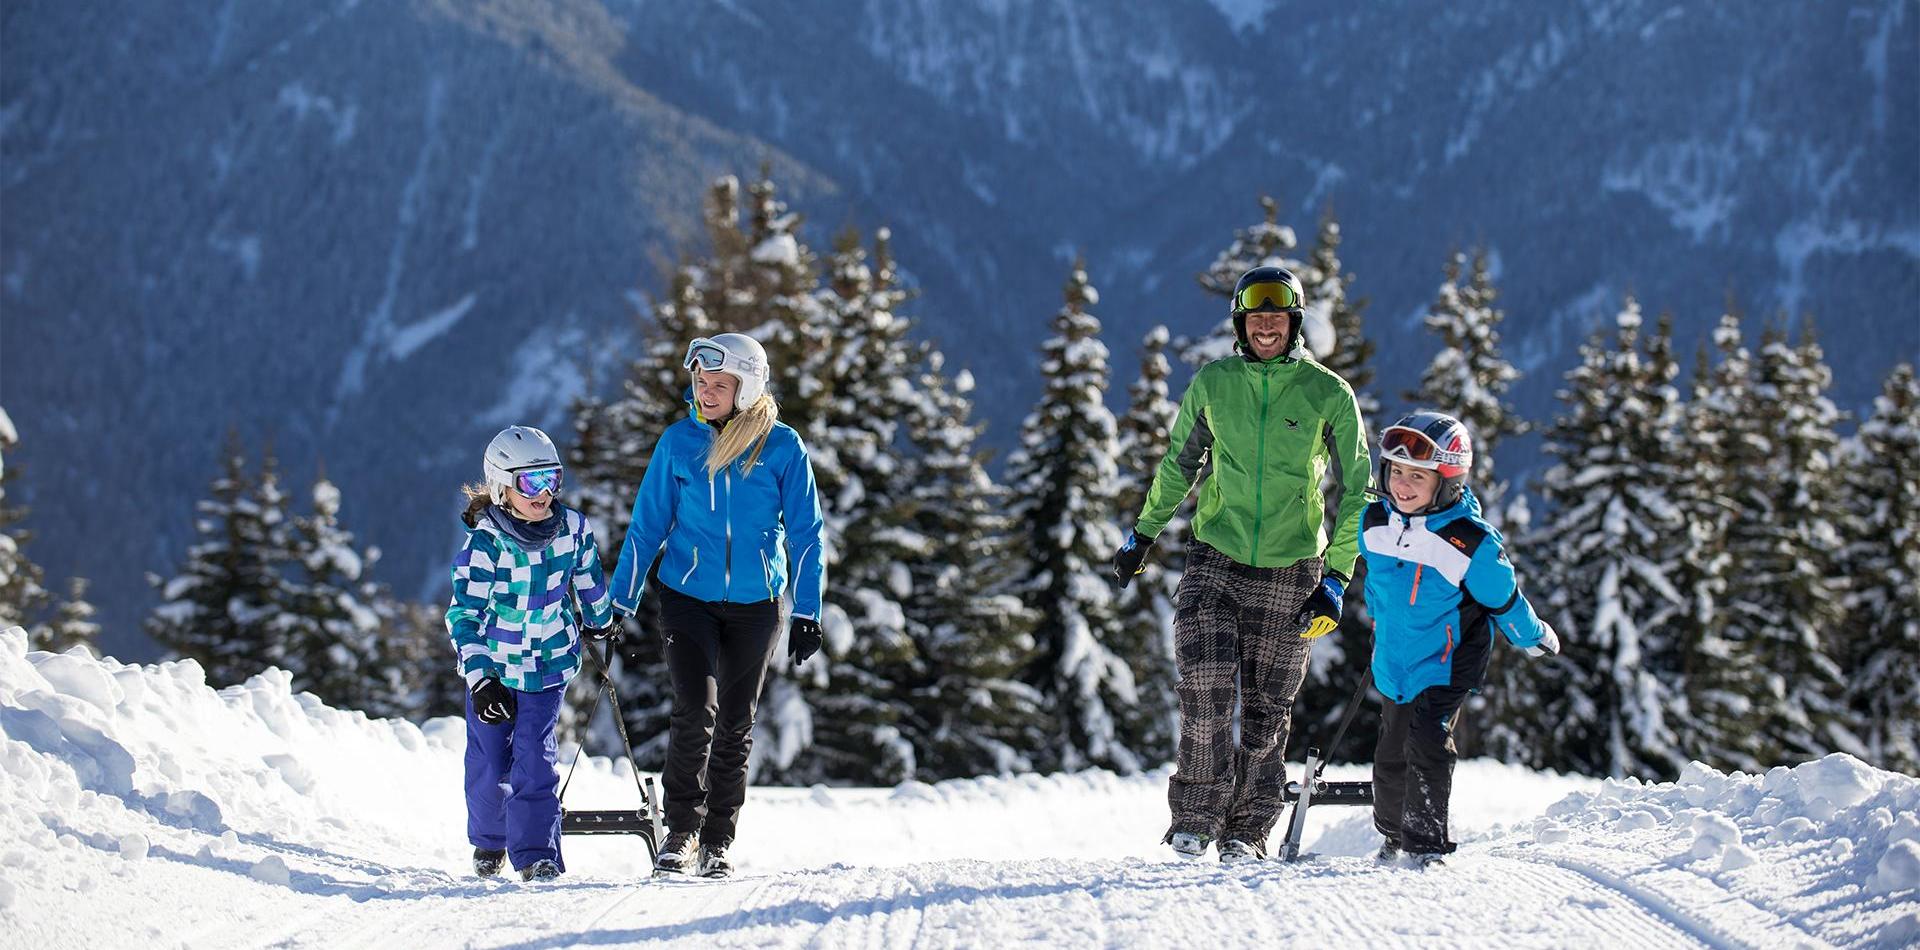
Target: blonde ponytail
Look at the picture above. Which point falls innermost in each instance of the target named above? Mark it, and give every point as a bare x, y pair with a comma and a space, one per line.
748, 429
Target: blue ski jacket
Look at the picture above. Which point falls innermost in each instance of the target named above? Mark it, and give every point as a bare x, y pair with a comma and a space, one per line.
726, 538
1436, 586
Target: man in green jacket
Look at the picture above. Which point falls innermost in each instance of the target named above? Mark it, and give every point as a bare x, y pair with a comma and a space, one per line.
1260, 430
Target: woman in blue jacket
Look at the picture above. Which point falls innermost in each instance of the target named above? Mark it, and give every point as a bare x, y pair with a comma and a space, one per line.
1438, 584
728, 505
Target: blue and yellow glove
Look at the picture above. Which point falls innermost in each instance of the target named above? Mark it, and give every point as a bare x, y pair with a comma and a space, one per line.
1321, 613
1131, 559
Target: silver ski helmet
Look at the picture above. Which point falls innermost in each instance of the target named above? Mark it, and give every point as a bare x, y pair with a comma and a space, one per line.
738, 355
521, 449
1268, 289
1434, 441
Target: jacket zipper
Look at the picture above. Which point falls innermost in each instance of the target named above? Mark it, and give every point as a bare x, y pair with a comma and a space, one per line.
727, 574
766, 569
1260, 464
1416, 585
690, 568
1448, 652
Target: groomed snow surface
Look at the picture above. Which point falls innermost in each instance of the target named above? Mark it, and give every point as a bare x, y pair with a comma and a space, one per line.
138, 808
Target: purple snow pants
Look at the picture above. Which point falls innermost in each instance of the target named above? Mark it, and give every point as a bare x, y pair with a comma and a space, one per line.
512, 800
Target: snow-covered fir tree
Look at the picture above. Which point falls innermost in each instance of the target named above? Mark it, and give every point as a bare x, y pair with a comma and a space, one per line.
329, 622
1469, 376
968, 712
1725, 455
72, 623
1607, 554
1063, 479
23, 595
1147, 602
1329, 300
221, 608
1882, 556
1788, 595
865, 372
1268, 243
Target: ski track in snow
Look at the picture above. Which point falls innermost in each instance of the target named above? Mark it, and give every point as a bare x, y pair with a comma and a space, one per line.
140, 809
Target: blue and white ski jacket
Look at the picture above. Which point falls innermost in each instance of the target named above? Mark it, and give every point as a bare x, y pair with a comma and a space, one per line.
511, 617
727, 538
1435, 584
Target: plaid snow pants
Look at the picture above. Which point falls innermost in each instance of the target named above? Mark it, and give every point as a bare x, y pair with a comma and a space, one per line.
1235, 625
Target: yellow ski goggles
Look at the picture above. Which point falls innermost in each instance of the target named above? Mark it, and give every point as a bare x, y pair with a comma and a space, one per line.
1270, 295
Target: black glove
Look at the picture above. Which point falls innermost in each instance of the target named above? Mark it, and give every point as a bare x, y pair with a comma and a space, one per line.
1131, 559
1321, 613
493, 702
803, 639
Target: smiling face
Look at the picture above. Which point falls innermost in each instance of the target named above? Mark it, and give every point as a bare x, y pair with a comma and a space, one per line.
530, 509
1411, 488
714, 394
1267, 333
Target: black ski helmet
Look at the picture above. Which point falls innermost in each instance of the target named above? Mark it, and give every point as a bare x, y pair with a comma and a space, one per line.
1436, 442
1268, 289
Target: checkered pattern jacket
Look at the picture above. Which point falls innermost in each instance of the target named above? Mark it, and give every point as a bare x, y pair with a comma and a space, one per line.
511, 618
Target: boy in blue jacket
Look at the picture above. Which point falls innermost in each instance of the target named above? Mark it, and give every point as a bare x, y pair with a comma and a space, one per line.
1438, 584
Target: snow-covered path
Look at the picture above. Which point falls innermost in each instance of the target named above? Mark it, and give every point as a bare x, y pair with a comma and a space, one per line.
140, 809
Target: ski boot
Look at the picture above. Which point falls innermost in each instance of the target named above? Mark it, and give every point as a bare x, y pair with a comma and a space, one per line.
677, 853
1427, 860
1389, 853
487, 862
713, 861
1237, 850
1189, 845
540, 871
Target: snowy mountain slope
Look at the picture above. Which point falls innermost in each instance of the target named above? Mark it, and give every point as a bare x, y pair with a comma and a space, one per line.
140, 807
334, 224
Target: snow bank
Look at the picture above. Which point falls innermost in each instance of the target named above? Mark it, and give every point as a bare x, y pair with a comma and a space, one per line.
139, 805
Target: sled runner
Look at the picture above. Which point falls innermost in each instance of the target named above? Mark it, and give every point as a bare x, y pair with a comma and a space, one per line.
1315, 791
644, 821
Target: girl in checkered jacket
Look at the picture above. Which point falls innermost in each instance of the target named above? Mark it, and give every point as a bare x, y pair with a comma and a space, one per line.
518, 634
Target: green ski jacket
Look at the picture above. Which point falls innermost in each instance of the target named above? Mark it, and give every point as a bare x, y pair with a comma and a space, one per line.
1267, 431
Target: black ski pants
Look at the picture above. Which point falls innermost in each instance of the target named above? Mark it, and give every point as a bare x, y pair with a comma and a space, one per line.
717, 655
1413, 770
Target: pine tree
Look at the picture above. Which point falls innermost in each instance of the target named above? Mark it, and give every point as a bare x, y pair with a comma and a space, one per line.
220, 609
330, 622
72, 624
969, 713
23, 595
1469, 377
1788, 595
1146, 605
1719, 669
415, 652
1063, 479
1604, 705
1882, 557
1330, 301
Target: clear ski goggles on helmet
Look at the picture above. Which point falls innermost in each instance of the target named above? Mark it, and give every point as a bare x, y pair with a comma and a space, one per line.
711, 357
1415, 448
531, 482
1274, 295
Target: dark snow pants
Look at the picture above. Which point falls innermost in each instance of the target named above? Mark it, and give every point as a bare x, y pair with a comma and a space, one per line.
1236, 630
717, 655
513, 803
1413, 770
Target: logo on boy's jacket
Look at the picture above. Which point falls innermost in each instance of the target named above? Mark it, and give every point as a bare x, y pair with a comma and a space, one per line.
1458, 543
1292, 424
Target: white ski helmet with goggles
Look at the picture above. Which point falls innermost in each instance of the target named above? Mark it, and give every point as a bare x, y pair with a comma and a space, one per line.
1434, 441
522, 459
738, 355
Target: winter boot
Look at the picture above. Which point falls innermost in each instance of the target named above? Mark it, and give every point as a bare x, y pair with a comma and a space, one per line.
540, 871
1389, 853
1188, 845
1426, 860
713, 861
677, 853
1237, 850
486, 862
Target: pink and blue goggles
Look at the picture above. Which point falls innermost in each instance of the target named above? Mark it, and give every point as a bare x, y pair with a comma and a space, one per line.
531, 482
